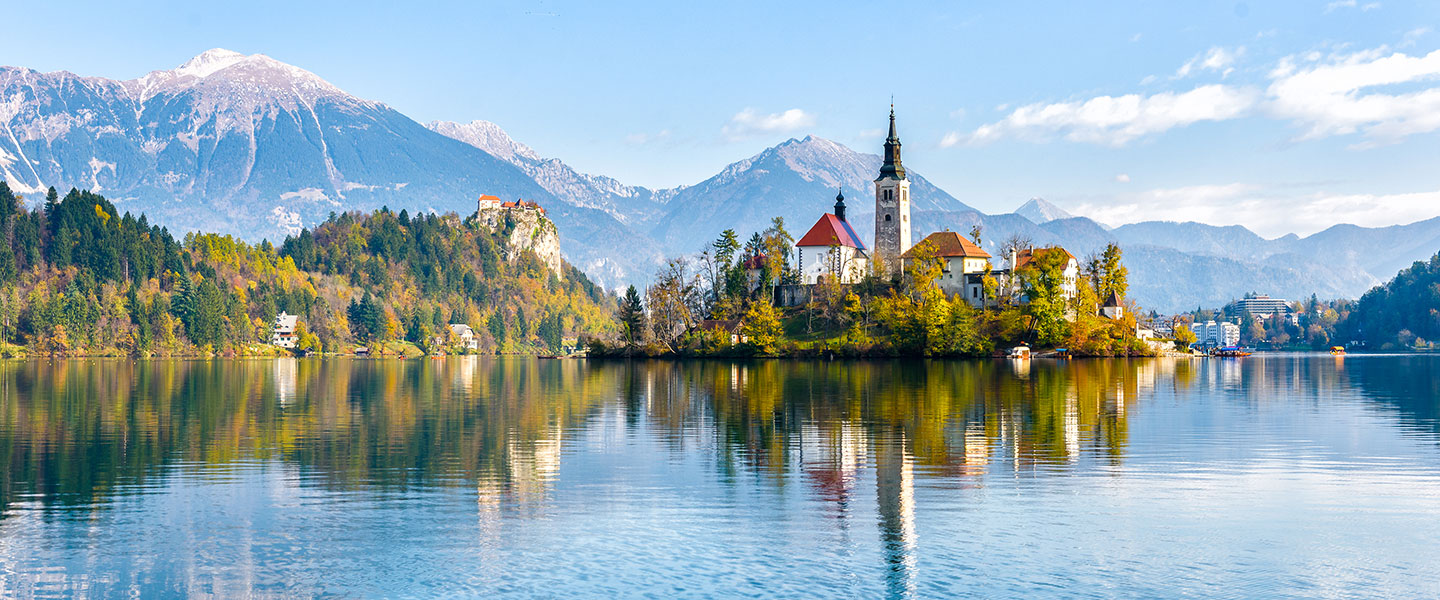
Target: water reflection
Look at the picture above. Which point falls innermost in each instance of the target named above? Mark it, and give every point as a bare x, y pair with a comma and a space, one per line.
79, 438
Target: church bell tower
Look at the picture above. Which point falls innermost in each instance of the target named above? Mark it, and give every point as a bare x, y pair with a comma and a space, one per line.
892, 204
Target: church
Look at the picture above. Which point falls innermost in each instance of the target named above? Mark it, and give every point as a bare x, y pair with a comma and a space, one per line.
832, 249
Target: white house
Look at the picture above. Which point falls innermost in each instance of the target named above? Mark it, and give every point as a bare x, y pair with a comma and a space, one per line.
283, 332
754, 271
465, 335
963, 264
1023, 259
832, 248
1221, 334
488, 201
1112, 308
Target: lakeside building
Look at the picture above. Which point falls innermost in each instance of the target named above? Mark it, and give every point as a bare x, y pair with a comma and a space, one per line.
832, 249
282, 333
465, 336
1261, 306
726, 328
1216, 334
1113, 308
1020, 260
964, 264
754, 272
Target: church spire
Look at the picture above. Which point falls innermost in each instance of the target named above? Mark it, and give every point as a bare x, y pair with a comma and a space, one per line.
840, 205
892, 169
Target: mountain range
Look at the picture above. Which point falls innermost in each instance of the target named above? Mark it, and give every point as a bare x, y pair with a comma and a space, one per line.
251, 146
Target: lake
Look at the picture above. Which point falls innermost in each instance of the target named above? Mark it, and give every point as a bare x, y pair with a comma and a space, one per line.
1274, 475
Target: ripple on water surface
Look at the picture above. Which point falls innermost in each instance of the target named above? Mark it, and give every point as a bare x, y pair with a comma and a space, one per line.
1282, 476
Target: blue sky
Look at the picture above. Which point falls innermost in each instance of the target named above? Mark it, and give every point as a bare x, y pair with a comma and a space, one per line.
1282, 116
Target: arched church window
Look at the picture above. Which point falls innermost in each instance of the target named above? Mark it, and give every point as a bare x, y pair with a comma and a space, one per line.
887, 217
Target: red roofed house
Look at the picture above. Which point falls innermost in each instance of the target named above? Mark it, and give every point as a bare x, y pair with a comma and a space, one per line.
1020, 260
488, 201
964, 264
754, 269
832, 248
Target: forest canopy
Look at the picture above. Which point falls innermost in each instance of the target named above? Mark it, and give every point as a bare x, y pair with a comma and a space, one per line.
77, 276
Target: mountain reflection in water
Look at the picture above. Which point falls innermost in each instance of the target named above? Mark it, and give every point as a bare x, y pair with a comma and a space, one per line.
904, 478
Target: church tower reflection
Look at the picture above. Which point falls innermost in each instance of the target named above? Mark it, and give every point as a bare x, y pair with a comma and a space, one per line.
895, 501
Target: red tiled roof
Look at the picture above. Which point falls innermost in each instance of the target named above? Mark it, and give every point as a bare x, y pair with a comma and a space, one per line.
489, 197
755, 262
948, 244
1024, 257
831, 230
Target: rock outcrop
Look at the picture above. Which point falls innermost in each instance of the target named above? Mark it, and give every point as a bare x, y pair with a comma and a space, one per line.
525, 228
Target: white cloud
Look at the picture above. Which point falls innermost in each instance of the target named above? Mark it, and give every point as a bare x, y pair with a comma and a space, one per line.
750, 123
1338, 94
640, 139
953, 138
1338, 97
1217, 59
1339, 4
1268, 212
1122, 178
1117, 120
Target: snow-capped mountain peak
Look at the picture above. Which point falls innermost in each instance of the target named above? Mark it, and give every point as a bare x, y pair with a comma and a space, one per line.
208, 62
486, 136
1040, 211
225, 77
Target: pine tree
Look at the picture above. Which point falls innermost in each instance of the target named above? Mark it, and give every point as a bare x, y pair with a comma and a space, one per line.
632, 315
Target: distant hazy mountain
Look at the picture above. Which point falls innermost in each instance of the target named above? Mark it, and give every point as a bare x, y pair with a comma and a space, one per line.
797, 180
1040, 211
252, 146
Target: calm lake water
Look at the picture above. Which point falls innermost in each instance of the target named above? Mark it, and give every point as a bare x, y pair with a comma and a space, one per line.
1269, 476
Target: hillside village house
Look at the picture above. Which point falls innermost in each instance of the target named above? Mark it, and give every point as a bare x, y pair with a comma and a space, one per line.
1113, 308
1022, 259
754, 271
832, 248
465, 336
282, 334
728, 329
964, 265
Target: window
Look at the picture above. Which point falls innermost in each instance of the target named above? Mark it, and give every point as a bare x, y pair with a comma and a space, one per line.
887, 217
887, 194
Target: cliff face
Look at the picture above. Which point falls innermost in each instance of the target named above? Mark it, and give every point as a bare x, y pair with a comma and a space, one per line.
531, 231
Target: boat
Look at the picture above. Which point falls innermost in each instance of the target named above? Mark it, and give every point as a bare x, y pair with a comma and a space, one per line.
1337, 350
1232, 351
1021, 352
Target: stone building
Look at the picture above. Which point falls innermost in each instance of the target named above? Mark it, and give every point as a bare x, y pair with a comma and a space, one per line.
892, 204
963, 265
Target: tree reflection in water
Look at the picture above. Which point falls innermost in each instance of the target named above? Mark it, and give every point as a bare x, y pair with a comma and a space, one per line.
75, 436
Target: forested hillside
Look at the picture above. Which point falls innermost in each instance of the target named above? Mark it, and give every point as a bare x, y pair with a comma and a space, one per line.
79, 277
1403, 313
